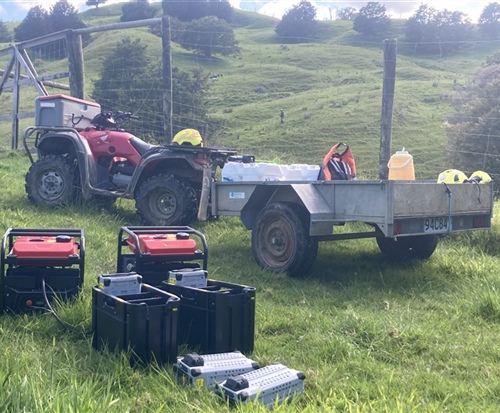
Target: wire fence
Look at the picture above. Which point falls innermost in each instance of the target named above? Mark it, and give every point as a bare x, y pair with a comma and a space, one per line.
272, 76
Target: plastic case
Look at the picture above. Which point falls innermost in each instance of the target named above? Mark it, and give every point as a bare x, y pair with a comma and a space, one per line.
120, 283
206, 371
38, 265
188, 277
218, 318
154, 251
64, 111
145, 323
268, 385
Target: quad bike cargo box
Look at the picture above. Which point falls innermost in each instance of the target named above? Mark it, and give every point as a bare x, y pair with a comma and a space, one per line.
145, 323
206, 371
268, 385
153, 252
217, 318
38, 265
64, 111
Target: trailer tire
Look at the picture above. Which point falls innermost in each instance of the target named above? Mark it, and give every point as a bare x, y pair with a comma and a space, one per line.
418, 246
281, 241
165, 200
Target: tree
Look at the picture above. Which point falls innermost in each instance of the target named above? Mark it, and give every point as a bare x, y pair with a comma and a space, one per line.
372, 20
437, 32
95, 3
64, 15
5, 35
347, 13
473, 132
35, 24
139, 10
298, 23
489, 21
187, 10
210, 35
130, 81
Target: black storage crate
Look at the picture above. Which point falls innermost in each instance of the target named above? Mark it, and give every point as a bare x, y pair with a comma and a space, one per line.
145, 323
218, 318
40, 265
154, 264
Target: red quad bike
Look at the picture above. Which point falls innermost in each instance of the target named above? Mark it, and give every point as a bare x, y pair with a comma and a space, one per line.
95, 159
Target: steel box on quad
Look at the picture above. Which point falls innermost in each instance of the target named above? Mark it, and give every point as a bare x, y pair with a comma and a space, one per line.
153, 252
39, 266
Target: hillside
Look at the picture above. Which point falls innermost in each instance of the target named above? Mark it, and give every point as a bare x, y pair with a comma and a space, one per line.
330, 89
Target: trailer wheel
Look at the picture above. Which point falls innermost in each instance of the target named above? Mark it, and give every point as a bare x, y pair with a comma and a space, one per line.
281, 241
165, 200
50, 182
418, 246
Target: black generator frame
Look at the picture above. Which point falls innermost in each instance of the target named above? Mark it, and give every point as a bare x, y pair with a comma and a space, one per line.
154, 268
39, 279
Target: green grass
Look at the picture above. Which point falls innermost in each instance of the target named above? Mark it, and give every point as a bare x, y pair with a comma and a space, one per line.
370, 335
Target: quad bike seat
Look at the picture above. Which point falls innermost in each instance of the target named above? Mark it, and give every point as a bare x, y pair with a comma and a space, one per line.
141, 146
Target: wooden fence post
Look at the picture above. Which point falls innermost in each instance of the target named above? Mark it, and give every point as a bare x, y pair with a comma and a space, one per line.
76, 65
387, 106
167, 80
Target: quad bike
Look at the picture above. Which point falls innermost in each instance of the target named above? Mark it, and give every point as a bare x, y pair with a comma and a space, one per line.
102, 161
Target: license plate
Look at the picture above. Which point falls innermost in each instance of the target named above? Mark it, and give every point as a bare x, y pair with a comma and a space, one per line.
436, 225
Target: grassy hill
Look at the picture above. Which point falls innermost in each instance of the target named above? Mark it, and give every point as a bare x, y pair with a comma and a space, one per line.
330, 89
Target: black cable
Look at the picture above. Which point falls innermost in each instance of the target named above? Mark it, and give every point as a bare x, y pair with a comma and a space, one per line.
65, 325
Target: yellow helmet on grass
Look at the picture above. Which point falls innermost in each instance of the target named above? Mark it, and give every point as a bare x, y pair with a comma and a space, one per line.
188, 137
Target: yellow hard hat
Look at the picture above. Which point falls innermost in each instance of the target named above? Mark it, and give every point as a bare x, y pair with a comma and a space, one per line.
480, 177
452, 176
188, 137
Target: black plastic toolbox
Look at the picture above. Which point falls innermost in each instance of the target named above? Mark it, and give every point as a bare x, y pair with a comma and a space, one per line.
145, 323
218, 318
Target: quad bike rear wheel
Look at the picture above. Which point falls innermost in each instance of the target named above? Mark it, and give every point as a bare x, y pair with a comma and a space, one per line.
281, 240
50, 182
166, 200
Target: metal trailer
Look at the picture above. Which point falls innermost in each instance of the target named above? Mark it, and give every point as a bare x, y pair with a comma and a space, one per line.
289, 218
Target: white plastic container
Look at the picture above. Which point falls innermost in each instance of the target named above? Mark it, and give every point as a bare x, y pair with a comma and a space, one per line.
309, 172
261, 172
291, 172
232, 172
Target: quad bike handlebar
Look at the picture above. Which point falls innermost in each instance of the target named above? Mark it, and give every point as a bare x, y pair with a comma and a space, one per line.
111, 120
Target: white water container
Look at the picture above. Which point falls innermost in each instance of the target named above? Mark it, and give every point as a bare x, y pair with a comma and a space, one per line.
270, 172
309, 172
261, 172
291, 172
232, 172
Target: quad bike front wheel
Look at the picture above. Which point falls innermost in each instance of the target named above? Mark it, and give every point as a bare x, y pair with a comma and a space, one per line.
165, 200
281, 241
50, 182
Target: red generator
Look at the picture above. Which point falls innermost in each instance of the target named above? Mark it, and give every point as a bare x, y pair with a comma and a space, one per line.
39, 265
155, 252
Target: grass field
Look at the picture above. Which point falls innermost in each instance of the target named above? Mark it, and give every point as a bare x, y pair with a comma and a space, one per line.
370, 335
